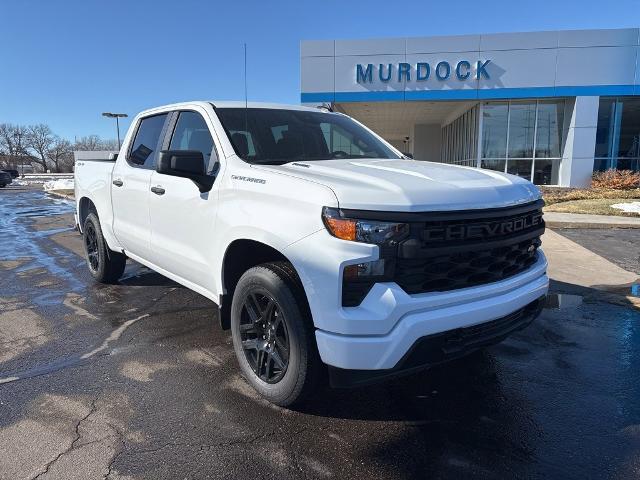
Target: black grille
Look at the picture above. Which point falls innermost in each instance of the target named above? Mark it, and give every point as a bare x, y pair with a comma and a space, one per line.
465, 269
453, 250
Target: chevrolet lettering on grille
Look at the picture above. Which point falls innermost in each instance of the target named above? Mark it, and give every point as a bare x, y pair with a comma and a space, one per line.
484, 230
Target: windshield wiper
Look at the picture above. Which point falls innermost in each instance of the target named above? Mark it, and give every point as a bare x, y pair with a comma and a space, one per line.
268, 161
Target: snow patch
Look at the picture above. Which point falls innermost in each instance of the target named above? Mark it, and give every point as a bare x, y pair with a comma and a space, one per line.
630, 207
61, 184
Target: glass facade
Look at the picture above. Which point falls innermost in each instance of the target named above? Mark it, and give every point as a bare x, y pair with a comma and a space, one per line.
618, 134
523, 138
460, 140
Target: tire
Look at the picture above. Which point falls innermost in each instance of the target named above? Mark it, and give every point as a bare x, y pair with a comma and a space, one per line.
105, 265
2, 185
289, 367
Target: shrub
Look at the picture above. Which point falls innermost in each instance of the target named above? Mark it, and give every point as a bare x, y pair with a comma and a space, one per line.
554, 195
616, 180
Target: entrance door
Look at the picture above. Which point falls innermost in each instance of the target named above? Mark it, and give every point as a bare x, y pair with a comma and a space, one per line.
130, 190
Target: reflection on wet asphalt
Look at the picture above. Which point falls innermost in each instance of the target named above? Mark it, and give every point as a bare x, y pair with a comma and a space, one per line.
17, 240
563, 300
137, 379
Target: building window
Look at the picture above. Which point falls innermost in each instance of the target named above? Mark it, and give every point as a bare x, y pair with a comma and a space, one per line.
460, 139
618, 134
523, 138
495, 121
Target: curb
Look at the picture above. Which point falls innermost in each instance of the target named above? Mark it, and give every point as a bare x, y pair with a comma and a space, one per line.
60, 195
589, 225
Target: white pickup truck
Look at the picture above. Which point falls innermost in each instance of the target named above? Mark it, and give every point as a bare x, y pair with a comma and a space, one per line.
325, 248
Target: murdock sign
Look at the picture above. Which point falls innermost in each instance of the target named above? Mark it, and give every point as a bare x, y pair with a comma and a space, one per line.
421, 71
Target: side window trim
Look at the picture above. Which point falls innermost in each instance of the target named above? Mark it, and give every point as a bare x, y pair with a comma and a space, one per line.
172, 121
159, 144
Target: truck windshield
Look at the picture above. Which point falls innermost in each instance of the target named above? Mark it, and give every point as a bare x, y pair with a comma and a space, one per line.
277, 136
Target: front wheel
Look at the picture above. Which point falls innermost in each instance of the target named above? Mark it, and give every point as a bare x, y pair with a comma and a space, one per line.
105, 265
273, 335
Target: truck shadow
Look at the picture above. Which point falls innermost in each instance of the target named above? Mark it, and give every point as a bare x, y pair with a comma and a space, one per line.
517, 406
137, 275
450, 418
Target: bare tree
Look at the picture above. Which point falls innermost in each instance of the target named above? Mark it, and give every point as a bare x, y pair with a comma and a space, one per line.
111, 144
37, 144
13, 144
40, 138
94, 142
60, 155
90, 142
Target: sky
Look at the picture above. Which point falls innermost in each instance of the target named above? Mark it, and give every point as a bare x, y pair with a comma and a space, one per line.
63, 62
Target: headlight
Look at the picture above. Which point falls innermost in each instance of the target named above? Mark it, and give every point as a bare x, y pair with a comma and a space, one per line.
365, 231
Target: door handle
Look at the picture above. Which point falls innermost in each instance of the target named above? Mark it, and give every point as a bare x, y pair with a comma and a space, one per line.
157, 190
118, 183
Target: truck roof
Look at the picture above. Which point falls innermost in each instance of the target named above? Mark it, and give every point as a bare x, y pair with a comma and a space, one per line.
241, 104
228, 104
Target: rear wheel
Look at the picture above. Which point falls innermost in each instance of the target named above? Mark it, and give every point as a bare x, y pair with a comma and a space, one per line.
273, 335
105, 265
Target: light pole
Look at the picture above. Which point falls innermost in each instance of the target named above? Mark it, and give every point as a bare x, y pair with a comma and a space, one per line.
116, 116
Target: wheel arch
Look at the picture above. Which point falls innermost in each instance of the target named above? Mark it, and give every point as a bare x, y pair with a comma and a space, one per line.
240, 256
85, 207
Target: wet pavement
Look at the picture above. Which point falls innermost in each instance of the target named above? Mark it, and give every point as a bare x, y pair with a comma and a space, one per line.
618, 245
137, 381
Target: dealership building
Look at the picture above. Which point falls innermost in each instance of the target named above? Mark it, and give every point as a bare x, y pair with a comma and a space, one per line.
548, 106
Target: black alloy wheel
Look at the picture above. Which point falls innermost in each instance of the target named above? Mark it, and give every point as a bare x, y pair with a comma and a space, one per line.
105, 265
264, 337
91, 245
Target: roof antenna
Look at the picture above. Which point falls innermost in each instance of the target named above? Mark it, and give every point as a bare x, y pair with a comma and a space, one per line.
245, 76
246, 101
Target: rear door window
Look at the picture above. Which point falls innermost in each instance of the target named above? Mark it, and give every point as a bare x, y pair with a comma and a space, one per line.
191, 133
144, 149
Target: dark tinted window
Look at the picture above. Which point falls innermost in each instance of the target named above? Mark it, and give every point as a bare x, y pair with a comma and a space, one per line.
191, 133
145, 145
262, 135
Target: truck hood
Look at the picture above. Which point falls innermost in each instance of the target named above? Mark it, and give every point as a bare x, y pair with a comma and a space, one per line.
411, 185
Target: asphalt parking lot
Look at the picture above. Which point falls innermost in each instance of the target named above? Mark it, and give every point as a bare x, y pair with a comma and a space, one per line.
137, 381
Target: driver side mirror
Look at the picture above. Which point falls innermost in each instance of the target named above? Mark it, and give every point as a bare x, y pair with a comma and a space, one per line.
186, 164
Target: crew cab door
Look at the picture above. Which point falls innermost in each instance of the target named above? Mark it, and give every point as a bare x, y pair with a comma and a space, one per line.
130, 186
182, 218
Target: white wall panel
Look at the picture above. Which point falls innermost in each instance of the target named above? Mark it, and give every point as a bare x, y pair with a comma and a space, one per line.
513, 41
317, 48
380, 46
598, 38
318, 75
519, 68
584, 144
455, 43
596, 66
585, 113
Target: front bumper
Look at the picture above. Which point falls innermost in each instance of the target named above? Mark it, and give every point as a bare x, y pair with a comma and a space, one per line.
423, 315
379, 332
442, 347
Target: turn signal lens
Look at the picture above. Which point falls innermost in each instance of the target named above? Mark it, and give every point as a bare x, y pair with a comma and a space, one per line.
360, 270
343, 228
